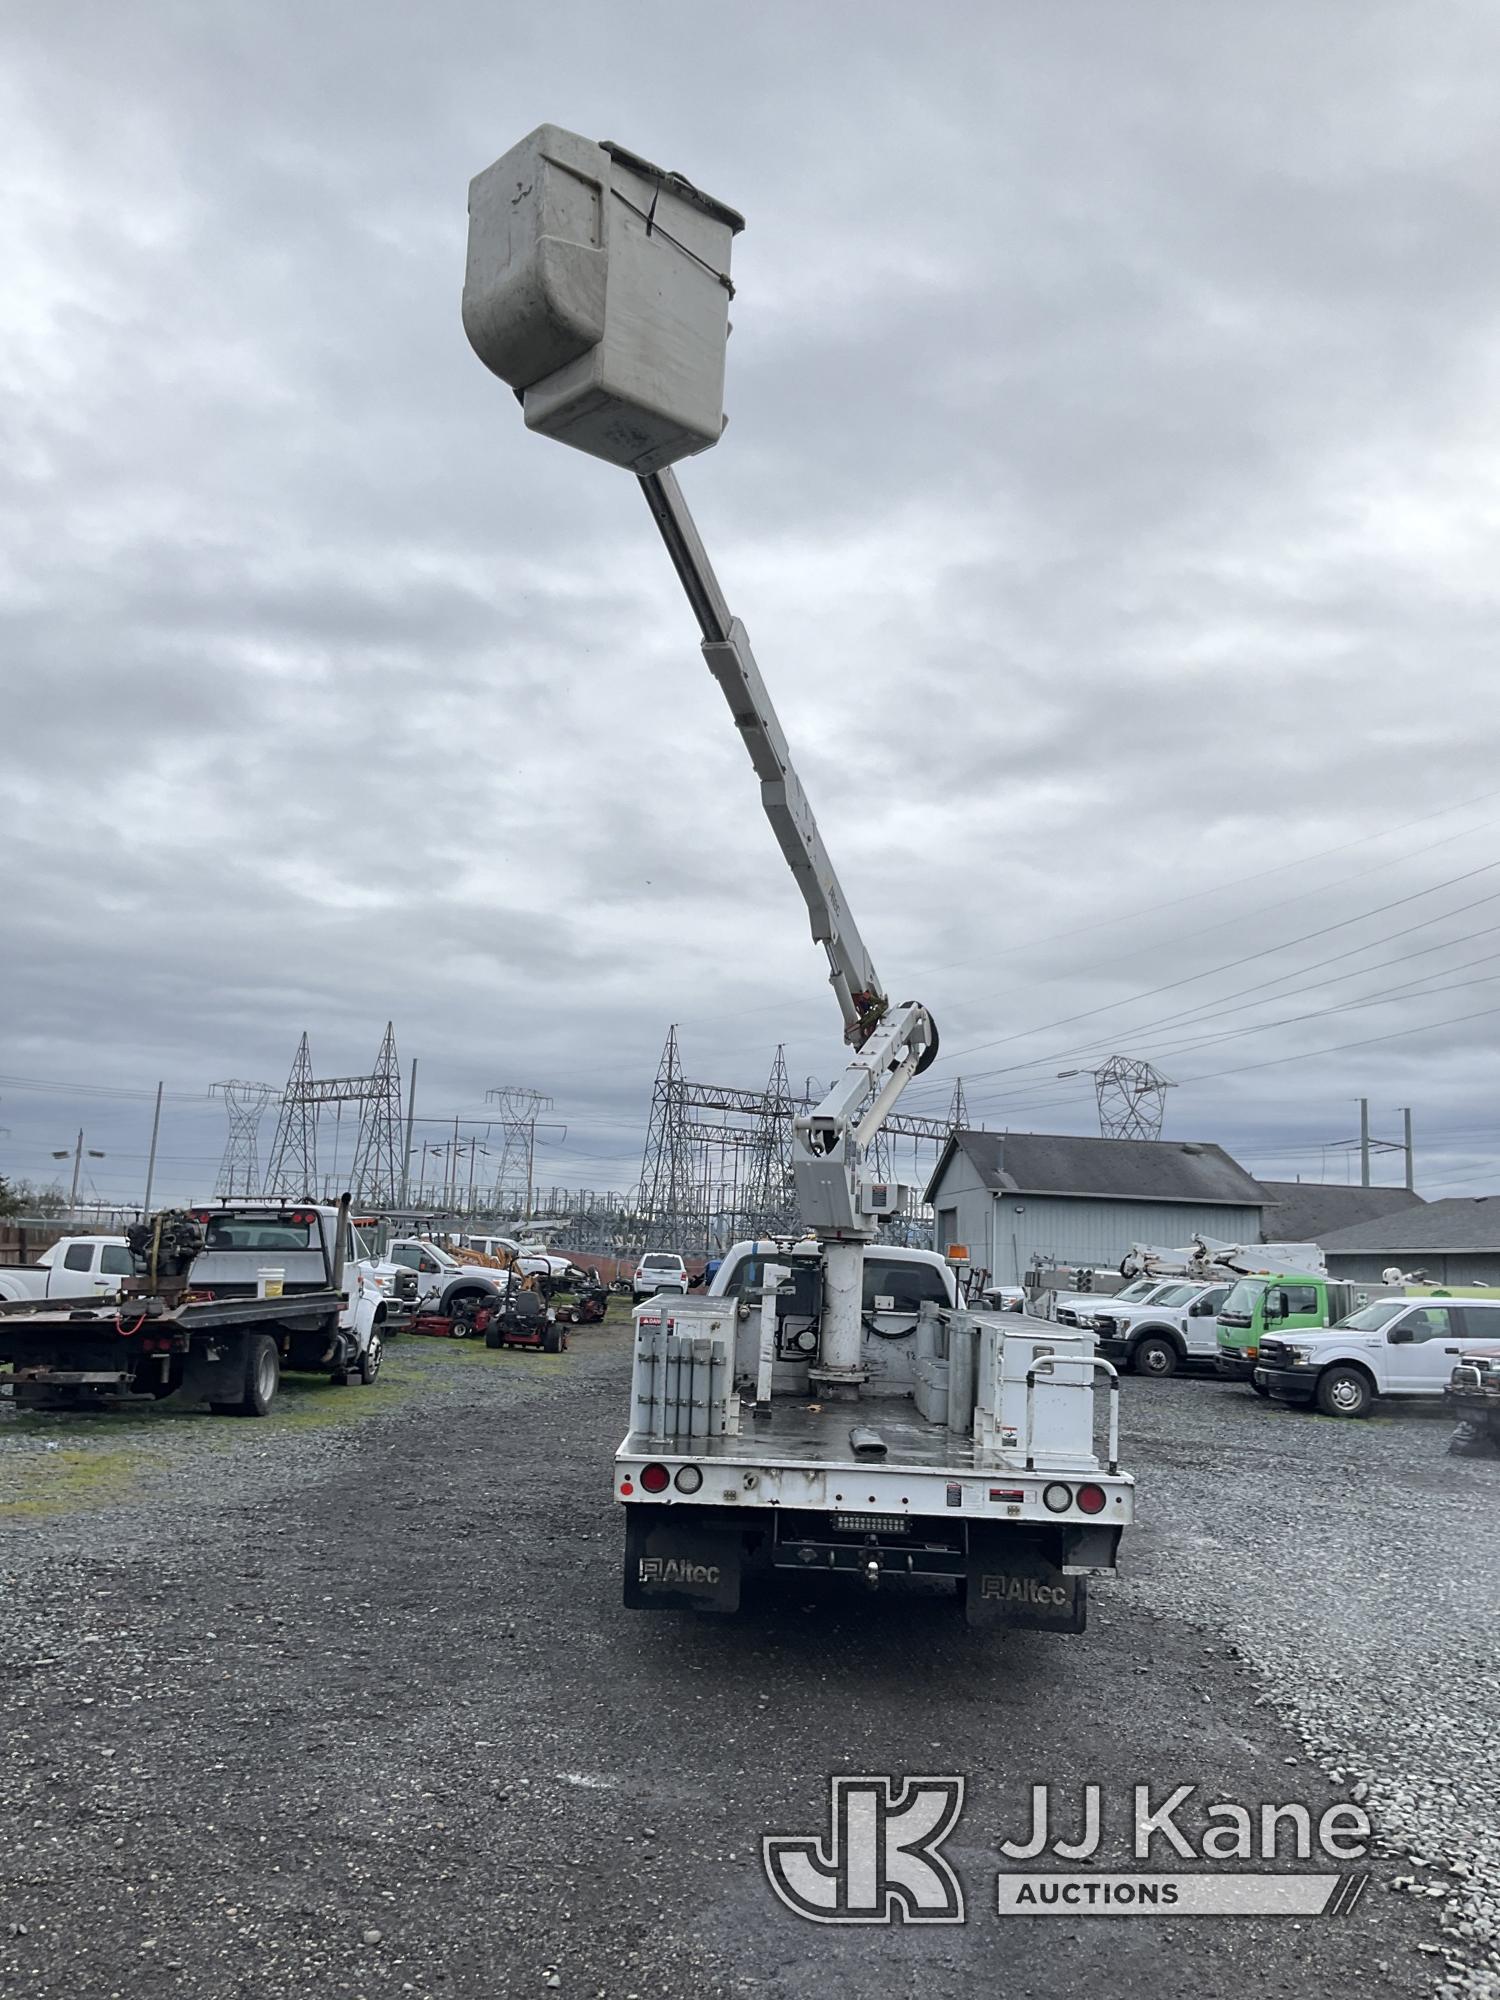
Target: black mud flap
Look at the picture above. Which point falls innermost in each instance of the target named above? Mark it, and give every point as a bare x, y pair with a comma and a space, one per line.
675, 1563
213, 1371
1016, 1582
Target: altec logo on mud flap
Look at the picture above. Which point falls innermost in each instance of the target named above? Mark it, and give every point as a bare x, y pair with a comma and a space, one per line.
1022, 1590
881, 1860
674, 1569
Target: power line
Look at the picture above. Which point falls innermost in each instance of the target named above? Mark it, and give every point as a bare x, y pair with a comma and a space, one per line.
1340, 1007
1191, 1017
1422, 1028
1241, 916
1229, 965
103, 1090
1207, 1011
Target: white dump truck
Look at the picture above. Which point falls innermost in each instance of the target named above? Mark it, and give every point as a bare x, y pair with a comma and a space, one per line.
807, 1420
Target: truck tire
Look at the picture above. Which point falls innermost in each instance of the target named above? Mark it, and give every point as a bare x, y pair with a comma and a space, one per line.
1345, 1392
262, 1379
370, 1360
1155, 1355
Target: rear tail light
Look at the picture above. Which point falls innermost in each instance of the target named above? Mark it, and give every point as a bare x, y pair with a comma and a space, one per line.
1057, 1498
655, 1478
689, 1479
1091, 1499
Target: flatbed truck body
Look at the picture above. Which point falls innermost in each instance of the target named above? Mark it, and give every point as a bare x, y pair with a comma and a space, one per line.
984, 1471
206, 1327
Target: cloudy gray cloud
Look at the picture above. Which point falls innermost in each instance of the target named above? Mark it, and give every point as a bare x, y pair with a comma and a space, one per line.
1109, 489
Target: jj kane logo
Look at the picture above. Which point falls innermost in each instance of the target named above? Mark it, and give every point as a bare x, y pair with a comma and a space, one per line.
880, 1863
881, 1860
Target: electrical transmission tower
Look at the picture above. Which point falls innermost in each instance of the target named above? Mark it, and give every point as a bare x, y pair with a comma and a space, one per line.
958, 1110
708, 1180
769, 1194
378, 1151
294, 1150
376, 1178
665, 1167
520, 1109
1131, 1095
239, 1170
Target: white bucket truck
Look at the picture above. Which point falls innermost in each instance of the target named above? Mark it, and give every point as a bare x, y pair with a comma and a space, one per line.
801, 1424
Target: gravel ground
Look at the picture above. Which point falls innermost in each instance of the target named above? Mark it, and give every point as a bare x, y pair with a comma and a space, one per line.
344, 1704
1364, 1597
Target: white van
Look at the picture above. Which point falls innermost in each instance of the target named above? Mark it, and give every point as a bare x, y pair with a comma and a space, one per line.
1391, 1347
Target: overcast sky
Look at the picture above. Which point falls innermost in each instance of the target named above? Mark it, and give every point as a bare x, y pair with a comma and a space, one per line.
1111, 491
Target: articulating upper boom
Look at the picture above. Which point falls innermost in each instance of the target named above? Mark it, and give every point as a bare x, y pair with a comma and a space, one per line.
726, 647
598, 287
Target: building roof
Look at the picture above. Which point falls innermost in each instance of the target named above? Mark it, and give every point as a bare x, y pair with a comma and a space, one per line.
1105, 1169
1462, 1222
1310, 1211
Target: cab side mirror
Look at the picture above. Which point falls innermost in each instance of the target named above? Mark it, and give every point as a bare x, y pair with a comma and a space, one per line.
1400, 1335
1275, 1306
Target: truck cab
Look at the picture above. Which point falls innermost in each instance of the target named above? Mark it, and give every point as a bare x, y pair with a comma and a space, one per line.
1158, 1337
443, 1280
297, 1247
79, 1267
1084, 1308
1279, 1302
897, 1282
1404, 1348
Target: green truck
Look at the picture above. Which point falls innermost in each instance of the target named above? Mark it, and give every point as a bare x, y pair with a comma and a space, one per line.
1271, 1304
1276, 1303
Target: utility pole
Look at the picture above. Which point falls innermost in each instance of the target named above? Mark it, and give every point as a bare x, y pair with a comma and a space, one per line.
77, 1152
1411, 1158
1364, 1142
151, 1159
411, 1113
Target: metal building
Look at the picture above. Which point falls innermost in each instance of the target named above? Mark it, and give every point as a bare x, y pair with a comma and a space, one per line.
1016, 1196
1454, 1242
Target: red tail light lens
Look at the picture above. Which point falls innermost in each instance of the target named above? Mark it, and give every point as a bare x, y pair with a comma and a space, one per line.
1090, 1499
655, 1478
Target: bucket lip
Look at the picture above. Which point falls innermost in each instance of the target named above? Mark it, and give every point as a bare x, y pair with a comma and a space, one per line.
682, 188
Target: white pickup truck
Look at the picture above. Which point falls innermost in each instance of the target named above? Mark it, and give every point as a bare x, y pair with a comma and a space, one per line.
79, 1267
1180, 1323
1082, 1308
1402, 1348
532, 1259
444, 1283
